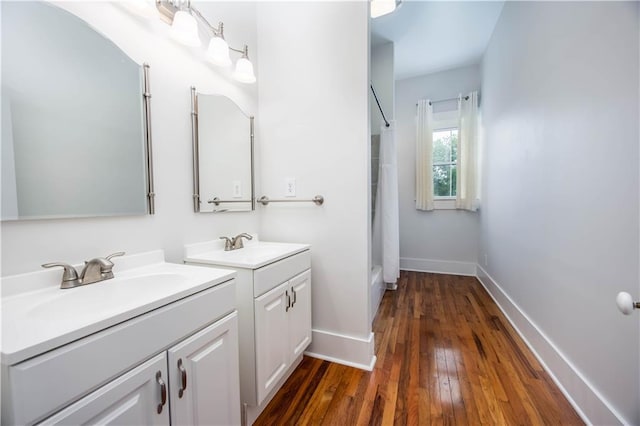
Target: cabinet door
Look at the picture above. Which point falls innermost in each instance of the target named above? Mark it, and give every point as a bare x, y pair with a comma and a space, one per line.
204, 375
300, 314
271, 332
138, 397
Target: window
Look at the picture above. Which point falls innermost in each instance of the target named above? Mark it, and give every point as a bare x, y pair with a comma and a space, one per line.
445, 155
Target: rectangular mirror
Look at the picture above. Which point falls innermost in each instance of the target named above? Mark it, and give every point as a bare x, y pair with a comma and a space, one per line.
75, 119
223, 178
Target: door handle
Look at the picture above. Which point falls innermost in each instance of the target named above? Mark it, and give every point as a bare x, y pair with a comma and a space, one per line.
295, 296
163, 391
288, 300
183, 378
625, 303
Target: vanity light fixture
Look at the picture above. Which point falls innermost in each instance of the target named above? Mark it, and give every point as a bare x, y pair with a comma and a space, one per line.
185, 19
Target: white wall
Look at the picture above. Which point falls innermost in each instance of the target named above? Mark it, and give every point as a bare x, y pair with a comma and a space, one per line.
174, 68
559, 218
314, 111
382, 77
441, 240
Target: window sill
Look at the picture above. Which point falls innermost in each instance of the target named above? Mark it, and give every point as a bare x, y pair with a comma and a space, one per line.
444, 204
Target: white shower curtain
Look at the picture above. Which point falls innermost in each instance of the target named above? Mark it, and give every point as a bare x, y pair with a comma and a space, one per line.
387, 204
424, 156
467, 164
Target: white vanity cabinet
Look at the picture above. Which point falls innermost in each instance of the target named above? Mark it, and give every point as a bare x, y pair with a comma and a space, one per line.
273, 295
203, 387
170, 357
282, 330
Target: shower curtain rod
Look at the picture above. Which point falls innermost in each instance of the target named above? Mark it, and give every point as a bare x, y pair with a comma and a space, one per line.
386, 123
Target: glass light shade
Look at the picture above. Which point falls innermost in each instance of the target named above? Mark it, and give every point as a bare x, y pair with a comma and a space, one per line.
144, 8
185, 29
382, 7
244, 71
218, 52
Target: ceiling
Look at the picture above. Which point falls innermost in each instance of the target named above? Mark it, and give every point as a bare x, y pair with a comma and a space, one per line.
432, 36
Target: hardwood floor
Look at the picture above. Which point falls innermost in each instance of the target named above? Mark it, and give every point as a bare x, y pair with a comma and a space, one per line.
446, 355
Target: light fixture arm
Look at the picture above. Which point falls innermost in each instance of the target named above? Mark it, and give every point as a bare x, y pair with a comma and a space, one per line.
244, 51
217, 32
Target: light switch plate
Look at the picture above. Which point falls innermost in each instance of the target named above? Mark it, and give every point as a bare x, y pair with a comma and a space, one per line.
237, 189
290, 187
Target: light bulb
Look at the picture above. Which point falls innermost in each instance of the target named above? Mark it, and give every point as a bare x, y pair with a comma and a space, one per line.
218, 52
143, 8
382, 7
244, 71
185, 29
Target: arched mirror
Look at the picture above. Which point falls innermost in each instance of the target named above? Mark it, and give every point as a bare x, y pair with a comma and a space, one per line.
75, 119
223, 178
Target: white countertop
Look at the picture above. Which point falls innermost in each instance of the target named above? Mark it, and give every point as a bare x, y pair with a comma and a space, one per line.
254, 255
38, 316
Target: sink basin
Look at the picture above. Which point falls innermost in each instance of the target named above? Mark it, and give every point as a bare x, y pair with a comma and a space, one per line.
106, 296
38, 316
254, 255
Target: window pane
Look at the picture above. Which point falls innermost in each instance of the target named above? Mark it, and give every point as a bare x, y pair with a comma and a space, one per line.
444, 181
442, 146
454, 145
441, 181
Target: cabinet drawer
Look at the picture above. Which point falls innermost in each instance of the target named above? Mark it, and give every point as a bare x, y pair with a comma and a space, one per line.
44, 384
270, 276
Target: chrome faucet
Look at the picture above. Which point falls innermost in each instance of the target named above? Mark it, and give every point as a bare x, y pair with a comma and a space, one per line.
235, 243
237, 240
95, 270
228, 244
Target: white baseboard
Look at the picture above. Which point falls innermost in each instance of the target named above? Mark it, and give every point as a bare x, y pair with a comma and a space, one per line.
347, 350
438, 266
587, 401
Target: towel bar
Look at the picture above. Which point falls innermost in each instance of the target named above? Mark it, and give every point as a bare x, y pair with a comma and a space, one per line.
318, 200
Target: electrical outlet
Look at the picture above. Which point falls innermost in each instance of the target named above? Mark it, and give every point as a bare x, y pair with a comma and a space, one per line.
290, 187
237, 189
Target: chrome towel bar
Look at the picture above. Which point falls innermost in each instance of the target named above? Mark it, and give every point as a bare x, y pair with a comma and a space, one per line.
318, 200
217, 201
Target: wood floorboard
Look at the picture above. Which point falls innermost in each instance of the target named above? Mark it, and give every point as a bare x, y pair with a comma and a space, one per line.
446, 356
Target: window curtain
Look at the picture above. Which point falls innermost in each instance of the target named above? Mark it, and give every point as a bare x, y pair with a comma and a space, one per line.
467, 162
424, 156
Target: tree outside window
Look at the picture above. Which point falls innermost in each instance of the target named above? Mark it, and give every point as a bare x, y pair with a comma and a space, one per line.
445, 155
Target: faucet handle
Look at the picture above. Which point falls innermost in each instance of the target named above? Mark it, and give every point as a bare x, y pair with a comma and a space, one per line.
237, 241
69, 274
120, 253
228, 243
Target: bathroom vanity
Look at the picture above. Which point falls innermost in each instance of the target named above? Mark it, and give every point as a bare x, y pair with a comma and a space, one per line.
156, 345
274, 312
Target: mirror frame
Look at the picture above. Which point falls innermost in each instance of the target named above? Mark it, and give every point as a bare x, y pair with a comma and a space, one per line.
148, 142
196, 157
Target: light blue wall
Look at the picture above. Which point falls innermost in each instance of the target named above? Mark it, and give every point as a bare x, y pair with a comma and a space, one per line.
559, 218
